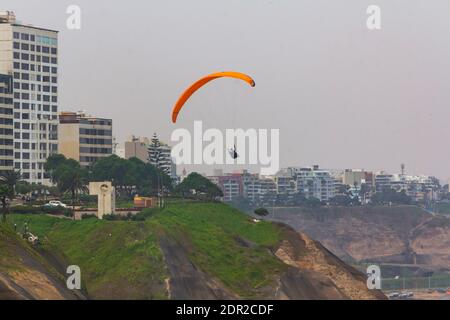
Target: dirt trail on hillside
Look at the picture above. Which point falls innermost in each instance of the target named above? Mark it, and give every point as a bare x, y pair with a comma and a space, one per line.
33, 277
186, 280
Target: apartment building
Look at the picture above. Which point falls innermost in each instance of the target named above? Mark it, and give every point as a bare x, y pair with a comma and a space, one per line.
257, 189
137, 147
383, 180
30, 55
314, 182
357, 177
232, 185
84, 138
6, 123
286, 181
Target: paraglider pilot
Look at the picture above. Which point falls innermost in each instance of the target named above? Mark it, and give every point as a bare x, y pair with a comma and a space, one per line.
233, 153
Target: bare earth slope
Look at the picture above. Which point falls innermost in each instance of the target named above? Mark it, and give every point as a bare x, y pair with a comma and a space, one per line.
24, 274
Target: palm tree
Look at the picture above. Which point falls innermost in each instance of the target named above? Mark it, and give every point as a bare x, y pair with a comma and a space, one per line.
72, 178
76, 185
8, 182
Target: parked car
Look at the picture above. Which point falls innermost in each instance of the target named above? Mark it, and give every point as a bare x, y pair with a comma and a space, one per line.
55, 204
393, 295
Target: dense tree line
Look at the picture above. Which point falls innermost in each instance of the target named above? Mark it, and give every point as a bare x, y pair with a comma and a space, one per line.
390, 196
129, 177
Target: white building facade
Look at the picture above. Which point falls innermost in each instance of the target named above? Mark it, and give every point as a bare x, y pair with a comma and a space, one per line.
30, 55
317, 183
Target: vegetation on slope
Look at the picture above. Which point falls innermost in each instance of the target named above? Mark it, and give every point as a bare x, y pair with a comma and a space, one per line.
11, 260
226, 244
122, 259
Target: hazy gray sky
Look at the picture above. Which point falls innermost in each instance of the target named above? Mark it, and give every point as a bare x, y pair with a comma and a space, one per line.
341, 95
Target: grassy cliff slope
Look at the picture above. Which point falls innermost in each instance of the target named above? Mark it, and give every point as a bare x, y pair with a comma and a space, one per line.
193, 250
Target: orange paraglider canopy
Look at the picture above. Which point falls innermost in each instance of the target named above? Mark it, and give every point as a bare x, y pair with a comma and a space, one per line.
200, 83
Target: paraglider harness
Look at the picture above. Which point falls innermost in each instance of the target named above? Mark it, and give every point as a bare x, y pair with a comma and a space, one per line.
233, 153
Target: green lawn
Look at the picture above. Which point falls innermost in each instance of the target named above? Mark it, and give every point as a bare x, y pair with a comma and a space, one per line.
443, 208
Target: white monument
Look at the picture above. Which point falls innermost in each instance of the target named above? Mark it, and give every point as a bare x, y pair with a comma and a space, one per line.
106, 197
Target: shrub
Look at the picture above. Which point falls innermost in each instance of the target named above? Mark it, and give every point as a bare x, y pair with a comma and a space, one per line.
68, 213
115, 217
145, 214
88, 216
261, 212
59, 211
26, 210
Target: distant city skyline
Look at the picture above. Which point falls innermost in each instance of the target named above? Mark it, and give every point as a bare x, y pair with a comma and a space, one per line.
341, 95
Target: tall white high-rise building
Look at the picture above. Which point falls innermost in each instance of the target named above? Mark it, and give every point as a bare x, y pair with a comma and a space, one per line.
30, 55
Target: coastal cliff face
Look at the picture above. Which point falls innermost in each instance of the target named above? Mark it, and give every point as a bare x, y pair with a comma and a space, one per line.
189, 251
336, 279
399, 235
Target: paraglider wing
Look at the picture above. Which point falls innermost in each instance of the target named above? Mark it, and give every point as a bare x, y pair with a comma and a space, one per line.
200, 83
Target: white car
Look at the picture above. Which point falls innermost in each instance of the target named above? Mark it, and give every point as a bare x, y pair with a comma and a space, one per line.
55, 203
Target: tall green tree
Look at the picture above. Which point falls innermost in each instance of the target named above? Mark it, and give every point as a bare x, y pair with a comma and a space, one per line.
8, 183
68, 175
197, 186
53, 162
